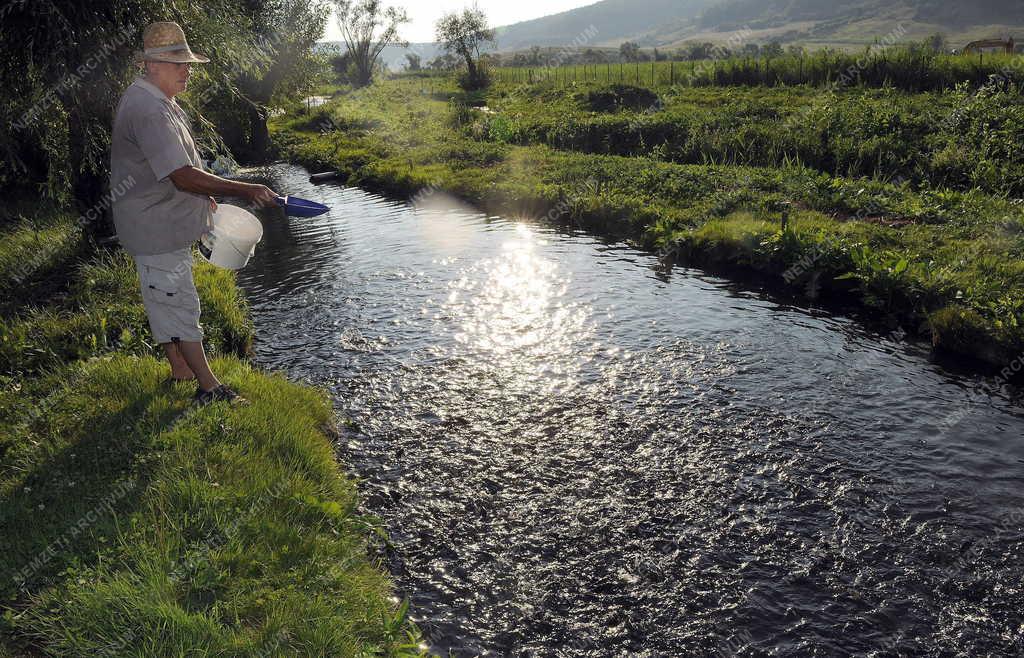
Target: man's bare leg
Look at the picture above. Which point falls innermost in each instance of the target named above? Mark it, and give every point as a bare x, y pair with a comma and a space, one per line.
195, 358
179, 368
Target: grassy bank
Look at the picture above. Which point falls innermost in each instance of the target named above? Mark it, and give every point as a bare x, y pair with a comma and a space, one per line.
133, 525
941, 261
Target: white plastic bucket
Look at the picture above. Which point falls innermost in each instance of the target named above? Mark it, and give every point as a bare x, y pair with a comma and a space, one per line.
234, 237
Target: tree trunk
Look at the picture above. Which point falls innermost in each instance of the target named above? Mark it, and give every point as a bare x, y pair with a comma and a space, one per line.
259, 134
471, 66
93, 201
364, 67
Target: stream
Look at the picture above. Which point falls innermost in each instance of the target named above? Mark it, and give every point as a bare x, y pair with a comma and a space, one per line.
577, 451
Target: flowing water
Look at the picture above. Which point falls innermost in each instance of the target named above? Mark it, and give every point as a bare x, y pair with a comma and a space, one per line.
578, 452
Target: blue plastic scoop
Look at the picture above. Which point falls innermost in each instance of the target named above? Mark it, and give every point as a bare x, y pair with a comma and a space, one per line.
297, 207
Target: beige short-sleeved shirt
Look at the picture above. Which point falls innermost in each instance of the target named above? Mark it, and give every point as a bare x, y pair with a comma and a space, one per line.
151, 139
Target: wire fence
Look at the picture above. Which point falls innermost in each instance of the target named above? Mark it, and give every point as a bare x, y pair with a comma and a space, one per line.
900, 68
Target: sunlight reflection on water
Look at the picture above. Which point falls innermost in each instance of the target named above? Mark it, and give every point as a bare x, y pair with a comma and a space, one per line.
516, 305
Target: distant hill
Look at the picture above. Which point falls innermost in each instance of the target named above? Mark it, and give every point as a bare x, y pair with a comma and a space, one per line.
953, 14
853, 22
394, 56
667, 23
610, 22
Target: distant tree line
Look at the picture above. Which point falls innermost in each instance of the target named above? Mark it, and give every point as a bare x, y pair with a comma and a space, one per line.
632, 52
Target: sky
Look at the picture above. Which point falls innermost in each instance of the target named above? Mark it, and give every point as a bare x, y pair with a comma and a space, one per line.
424, 13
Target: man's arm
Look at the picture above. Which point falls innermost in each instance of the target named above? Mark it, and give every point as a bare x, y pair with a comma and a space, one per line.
197, 181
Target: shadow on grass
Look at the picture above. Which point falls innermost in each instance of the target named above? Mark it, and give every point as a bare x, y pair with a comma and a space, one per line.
52, 280
85, 465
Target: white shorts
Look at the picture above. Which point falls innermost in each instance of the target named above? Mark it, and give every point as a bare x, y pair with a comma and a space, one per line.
170, 297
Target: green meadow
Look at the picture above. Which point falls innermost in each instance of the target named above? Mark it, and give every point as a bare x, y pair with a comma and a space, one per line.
907, 203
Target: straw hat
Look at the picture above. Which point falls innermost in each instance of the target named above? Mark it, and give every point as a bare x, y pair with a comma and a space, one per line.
165, 42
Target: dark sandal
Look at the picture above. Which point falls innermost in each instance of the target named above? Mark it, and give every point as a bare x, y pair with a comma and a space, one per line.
220, 394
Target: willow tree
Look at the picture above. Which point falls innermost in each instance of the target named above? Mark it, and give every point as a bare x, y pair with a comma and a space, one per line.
463, 34
275, 64
64, 64
368, 28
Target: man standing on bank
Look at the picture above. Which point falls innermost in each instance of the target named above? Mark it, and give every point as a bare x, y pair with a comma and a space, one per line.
167, 206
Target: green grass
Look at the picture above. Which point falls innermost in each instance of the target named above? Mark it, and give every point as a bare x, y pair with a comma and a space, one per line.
143, 528
946, 263
131, 524
955, 140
